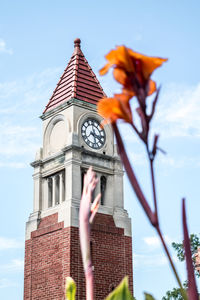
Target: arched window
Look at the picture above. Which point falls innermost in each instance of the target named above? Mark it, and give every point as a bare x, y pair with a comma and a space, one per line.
103, 189
57, 189
50, 198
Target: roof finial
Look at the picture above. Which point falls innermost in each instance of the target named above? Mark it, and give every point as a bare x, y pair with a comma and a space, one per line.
77, 43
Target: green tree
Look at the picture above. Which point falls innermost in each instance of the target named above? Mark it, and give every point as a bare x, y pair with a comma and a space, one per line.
194, 243
175, 294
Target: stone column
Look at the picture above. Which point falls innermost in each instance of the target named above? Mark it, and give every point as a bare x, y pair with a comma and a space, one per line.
61, 198
73, 176
98, 187
118, 191
76, 181
45, 194
53, 191
118, 184
37, 201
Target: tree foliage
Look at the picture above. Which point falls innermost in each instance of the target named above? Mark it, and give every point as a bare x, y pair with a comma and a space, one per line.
194, 243
175, 294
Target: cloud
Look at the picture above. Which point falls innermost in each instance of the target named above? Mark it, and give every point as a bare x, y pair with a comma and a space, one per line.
154, 241
137, 37
177, 116
178, 111
14, 165
3, 47
18, 139
21, 102
8, 243
152, 254
180, 162
5, 283
153, 260
16, 265
138, 159
24, 93
157, 260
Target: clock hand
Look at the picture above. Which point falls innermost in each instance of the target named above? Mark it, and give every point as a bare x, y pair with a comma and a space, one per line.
96, 136
93, 134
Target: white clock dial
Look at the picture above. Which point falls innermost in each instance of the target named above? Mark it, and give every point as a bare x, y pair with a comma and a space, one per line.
93, 134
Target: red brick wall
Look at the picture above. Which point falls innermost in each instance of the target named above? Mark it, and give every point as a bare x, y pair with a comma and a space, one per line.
53, 253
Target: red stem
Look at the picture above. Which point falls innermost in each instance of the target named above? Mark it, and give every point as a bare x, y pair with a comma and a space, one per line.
170, 259
132, 177
153, 218
157, 227
154, 189
192, 288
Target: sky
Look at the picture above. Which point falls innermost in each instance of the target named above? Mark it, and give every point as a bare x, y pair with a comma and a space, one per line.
36, 43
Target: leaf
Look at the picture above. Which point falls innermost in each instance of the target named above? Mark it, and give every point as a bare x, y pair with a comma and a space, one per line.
70, 289
156, 136
148, 297
154, 104
145, 126
121, 292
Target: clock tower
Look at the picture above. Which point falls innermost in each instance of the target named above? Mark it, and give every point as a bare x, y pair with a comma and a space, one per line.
73, 140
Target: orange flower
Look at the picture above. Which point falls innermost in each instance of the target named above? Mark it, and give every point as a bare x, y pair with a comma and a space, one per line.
132, 69
115, 108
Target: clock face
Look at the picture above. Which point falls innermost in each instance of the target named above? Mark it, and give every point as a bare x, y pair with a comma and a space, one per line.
92, 133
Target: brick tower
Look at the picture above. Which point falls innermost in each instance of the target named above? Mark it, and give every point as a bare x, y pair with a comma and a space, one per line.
72, 141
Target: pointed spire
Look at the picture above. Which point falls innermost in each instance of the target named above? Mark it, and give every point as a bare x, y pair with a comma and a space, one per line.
78, 81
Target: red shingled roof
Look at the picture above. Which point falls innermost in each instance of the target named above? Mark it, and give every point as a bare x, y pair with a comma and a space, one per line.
78, 81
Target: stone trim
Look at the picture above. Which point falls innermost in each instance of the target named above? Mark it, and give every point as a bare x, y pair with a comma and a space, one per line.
72, 101
47, 229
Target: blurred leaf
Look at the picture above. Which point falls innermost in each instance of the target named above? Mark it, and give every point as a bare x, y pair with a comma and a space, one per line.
70, 289
148, 297
121, 292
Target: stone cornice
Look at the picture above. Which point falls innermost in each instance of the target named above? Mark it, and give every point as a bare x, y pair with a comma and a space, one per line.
36, 163
72, 101
83, 151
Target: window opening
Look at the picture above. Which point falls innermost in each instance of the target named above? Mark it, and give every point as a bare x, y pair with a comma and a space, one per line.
57, 189
83, 172
103, 189
63, 186
50, 198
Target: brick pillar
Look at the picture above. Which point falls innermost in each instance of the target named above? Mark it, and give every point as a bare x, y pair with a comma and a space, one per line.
53, 253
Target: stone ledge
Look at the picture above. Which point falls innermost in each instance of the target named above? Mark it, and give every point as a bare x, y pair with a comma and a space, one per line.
47, 229
108, 229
